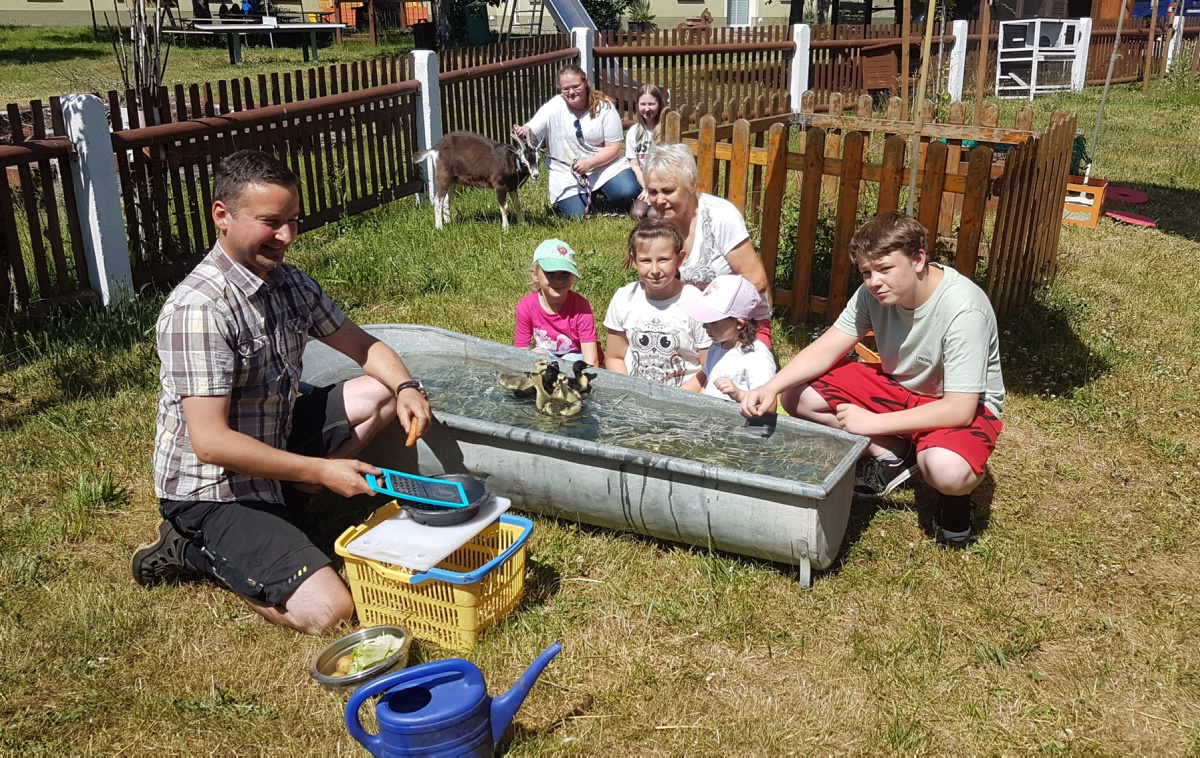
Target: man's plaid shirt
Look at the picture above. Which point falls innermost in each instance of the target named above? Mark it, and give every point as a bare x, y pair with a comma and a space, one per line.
224, 331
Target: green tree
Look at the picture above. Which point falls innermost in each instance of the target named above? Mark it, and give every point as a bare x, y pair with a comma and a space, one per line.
607, 13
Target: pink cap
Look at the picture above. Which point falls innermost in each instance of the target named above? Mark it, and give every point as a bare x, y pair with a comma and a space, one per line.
727, 296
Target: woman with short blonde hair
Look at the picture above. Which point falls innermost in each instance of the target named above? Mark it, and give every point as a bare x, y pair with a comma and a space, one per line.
715, 238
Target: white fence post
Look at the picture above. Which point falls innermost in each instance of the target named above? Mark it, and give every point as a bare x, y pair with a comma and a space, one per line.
429, 111
801, 62
98, 198
958, 61
584, 42
1176, 41
1083, 46
429, 98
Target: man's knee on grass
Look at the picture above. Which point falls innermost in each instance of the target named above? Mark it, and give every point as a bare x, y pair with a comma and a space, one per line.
319, 605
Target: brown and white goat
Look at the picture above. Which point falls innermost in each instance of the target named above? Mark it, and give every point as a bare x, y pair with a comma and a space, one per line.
464, 159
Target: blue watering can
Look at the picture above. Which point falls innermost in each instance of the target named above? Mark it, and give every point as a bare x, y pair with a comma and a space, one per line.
440, 709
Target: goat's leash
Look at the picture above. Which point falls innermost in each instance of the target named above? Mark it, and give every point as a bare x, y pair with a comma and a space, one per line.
521, 161
581, 181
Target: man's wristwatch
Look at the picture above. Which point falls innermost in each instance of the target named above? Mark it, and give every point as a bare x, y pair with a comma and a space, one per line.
411, 384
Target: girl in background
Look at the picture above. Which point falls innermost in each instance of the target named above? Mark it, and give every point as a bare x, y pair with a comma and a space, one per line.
581, 130
639, 140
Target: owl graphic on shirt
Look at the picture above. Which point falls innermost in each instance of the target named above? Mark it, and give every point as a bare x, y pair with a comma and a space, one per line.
654, 354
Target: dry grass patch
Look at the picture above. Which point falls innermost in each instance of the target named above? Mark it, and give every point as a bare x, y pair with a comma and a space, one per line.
1068, 627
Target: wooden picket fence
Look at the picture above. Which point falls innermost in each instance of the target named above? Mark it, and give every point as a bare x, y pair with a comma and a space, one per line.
834, 171
245, 93
354, 141
727, 64
512, 50
352, 151
489, 98
1135, 34
41, 245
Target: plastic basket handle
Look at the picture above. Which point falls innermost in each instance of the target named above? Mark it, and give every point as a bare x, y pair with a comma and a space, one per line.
471, 577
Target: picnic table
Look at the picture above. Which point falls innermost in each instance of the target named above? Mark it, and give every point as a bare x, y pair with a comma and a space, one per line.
233, 34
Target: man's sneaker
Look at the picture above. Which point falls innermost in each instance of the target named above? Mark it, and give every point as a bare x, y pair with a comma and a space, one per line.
162, 560
876, 478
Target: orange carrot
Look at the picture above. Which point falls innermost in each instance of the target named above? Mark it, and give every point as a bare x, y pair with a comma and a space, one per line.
414, 431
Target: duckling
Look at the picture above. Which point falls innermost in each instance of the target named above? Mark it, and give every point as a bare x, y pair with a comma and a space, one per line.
581, 382
549, 376
555, 405
564, 391
521, 385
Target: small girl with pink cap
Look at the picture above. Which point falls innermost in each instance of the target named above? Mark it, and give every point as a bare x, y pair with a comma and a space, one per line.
737, 361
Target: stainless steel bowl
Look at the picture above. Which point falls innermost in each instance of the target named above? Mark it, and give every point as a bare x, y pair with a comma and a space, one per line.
325, 662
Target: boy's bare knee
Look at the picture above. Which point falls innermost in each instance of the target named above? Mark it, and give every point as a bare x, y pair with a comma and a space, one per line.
806, 403
947, 471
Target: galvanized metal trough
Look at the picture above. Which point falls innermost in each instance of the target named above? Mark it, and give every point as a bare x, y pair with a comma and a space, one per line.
777, 518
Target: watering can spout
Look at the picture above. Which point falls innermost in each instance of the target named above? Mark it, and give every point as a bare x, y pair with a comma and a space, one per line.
505, 707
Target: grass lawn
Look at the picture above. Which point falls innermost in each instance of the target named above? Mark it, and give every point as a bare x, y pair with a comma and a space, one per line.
1070, 626
40, 62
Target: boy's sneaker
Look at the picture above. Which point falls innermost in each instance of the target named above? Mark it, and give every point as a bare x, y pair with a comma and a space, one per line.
953, 511
162, 560
952, 540
876, 477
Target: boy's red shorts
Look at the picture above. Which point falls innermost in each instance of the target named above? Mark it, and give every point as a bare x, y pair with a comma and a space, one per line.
868, 387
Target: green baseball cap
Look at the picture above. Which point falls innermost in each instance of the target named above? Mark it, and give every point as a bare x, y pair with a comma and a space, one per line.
555, 255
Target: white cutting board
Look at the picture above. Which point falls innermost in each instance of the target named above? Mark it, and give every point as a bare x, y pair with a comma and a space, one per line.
403, 542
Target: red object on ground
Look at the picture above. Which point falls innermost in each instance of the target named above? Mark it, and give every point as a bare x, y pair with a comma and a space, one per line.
1126, 195
1125, 217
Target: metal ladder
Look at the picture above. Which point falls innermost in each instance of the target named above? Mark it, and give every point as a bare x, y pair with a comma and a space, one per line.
520, 23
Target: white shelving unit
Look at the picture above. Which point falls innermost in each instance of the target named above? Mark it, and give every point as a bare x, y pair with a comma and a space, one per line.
1036, 55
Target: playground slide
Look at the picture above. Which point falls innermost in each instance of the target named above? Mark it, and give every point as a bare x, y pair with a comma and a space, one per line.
569, 14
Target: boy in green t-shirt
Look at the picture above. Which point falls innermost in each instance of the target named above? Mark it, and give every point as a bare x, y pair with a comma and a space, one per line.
935, 401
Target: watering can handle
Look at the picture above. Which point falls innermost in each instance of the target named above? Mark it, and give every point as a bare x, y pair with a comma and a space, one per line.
353, 724
413, 677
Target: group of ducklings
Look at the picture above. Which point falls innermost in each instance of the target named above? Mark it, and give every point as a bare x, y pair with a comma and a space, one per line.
554, 392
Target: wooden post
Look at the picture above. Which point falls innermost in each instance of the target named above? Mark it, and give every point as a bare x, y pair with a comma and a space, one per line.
981, 69
905, 31
1162, 74
1195, 59
1150, 45
371, 21
919, 120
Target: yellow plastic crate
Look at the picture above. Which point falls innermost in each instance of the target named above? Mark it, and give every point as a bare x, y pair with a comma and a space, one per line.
451, 604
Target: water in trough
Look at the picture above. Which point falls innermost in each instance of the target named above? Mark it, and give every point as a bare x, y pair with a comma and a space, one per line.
697, 432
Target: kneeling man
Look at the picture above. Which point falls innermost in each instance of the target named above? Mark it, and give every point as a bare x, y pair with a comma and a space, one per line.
238, 446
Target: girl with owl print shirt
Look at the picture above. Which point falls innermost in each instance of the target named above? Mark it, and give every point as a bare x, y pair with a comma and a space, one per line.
649, 335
